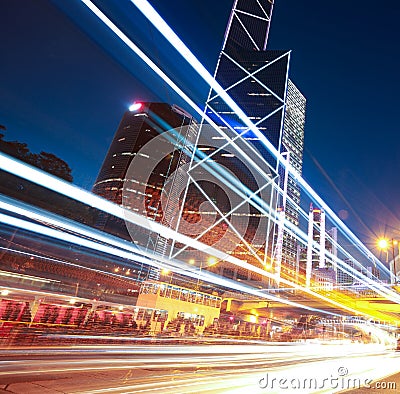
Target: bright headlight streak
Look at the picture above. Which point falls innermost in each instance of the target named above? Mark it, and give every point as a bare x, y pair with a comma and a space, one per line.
302, 238
150, 261
40, 229
32, 174
41, 178
25, 171
49, 232
93, 234
378, 287
27, 277
151, 14
66, 224
375, 286
82, 230
204, 276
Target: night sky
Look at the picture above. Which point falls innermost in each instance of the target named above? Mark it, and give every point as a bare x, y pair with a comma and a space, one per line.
65, 83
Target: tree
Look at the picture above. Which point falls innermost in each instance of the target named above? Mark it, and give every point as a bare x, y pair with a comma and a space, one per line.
44, 160
52, 164
14, 148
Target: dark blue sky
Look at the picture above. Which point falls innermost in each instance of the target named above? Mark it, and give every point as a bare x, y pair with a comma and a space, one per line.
65, 82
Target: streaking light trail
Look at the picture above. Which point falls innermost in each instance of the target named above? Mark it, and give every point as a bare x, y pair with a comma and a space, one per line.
104, 205
49, 232
143, 257
172, 38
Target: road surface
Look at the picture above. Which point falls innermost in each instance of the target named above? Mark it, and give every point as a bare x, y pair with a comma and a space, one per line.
260, 368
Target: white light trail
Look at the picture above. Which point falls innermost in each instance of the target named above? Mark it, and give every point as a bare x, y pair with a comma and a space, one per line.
41, 178
62, 236
26, 277
161, 74
130, 252
127, 41
127, 250
80, 229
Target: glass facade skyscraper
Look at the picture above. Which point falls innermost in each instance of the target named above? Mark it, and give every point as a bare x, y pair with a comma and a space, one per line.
120, 183
135, 130
293, 142
258, 80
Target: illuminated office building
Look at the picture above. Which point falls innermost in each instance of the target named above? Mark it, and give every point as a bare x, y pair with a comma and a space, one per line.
318, 265
138, 127
257, 79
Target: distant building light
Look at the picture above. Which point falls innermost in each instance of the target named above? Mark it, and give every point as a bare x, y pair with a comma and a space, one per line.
135, 107
205, 149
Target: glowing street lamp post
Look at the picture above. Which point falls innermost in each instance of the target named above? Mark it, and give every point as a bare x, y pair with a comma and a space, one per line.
210, 262
384, 244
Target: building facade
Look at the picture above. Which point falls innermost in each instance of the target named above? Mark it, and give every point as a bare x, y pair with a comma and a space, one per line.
258, 80
124, 180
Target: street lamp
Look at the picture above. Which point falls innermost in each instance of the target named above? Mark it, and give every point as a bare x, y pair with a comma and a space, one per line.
167, 274
211, 261
384, 244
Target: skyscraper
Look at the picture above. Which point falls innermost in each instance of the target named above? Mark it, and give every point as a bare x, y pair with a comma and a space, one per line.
319, 266
257, 79
138, 126
136, 189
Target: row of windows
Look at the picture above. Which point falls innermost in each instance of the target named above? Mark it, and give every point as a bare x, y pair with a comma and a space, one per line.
181, 294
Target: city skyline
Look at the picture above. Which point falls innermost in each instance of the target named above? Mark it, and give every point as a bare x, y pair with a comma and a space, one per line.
90, 129
230, 233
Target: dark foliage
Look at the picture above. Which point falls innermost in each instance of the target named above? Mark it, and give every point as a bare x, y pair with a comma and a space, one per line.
44, 160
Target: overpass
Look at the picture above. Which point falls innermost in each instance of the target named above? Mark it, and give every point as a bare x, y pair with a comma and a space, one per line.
375, 308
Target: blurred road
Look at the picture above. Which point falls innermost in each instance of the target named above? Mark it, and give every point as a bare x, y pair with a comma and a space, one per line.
260, 368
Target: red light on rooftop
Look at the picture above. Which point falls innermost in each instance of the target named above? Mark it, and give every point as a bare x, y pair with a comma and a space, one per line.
135, 107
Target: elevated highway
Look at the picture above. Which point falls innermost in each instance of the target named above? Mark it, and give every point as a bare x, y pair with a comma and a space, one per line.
372, 307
